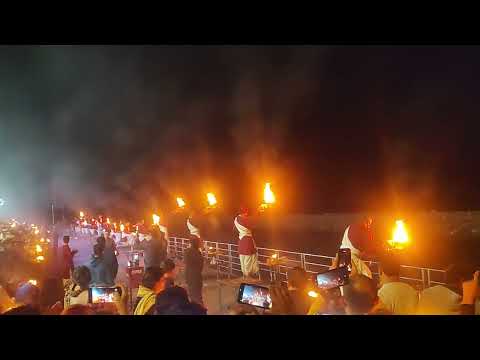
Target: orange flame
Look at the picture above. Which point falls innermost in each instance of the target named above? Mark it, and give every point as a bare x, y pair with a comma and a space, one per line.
268, 195
108, 220
156, 219
122, 227
40, 258
38, 248
180, 202
313, 294
400, 237
33, 282
81, 214
212, 200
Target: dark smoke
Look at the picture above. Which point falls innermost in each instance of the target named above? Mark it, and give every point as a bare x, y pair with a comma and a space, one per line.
126, 128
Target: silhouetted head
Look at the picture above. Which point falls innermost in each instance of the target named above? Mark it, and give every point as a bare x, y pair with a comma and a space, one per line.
360, 295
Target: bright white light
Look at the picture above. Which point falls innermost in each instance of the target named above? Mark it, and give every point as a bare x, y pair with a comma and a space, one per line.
2, 202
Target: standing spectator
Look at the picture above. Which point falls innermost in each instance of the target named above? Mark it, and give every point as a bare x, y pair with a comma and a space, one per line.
193, 270
67, 258
154, 248
246, 245
110, 257
100, 272
76, 290
358, 237
395, 296
194, 228
147, 291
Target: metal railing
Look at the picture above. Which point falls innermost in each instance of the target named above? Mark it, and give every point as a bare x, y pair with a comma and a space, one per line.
227, 263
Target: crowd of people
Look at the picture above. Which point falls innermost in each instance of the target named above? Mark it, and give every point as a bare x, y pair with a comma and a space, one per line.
70, 292
160, 294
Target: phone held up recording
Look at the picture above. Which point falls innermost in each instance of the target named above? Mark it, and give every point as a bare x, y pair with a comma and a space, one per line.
99, 295
255, 295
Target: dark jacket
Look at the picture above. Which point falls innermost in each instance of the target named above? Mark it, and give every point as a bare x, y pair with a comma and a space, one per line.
100, 272
193, 265
174, 301
154, 252
111, 259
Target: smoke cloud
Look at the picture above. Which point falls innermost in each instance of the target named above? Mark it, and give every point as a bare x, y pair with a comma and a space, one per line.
127, 128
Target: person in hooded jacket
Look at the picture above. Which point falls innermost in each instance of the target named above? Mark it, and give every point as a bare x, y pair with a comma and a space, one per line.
99, 270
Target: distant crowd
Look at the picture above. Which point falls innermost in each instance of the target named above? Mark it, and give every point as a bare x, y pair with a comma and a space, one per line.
73, 292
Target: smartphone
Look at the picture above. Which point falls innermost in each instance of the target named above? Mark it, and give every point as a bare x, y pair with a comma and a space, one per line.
333, 278
345, 259
255, 295
97, 295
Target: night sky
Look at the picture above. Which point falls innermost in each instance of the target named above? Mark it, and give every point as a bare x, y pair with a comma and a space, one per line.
127, 128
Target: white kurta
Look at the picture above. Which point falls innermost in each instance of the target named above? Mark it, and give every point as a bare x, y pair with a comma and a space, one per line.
360, 266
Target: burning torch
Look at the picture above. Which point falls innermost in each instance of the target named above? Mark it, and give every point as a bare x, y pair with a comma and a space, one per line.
181, 203
400, 238
268, 197
122, 229
212, 200
156, 219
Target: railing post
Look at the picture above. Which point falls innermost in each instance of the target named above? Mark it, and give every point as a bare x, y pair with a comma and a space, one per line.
258, 262
230, 273
302, 261
428, 277
423, 278
183, 247
217, 262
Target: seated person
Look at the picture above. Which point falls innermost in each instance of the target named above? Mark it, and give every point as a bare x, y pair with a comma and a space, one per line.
6, 302
445, 299
242, 309
169, 269
76, 290
173, 300
298, 285
52, 296
395, 296
360, 297
27, 299
79, 309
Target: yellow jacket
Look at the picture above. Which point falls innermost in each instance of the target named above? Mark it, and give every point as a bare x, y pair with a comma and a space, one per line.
146, 302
